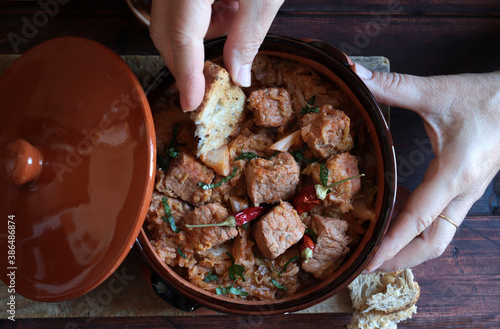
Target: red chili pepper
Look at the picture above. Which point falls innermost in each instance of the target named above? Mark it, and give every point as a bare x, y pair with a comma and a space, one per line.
307, 248
248, 214
240, 218
306, 200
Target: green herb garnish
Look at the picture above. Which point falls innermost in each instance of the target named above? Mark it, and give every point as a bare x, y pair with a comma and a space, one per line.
230, 257
169, 218
163, 161
272, 156
235, 270
179, 251
312, 235
299, 156
309, 107
293, 259
246, 156
323, 174
211, 277
230, 290
172, 152
278, 285
219, 183
245, 226
322, 191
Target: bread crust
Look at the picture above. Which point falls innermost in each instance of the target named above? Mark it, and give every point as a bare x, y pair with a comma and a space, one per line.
220, 111
381, 300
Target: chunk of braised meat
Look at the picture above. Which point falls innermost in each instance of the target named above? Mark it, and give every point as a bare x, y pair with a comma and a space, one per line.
248, 142
235, 187
163, 238
204, 238
278, 230
330, 248
178, 209
340, 167
327, 132
272, 180
183, 176
271, 107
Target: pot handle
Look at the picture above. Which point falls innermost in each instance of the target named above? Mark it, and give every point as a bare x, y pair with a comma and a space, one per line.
335, 52
171, 296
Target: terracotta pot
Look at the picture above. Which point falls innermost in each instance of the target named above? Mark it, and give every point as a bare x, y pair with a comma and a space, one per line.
336, 66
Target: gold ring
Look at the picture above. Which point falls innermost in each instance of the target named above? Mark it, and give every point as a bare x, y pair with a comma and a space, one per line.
449, 220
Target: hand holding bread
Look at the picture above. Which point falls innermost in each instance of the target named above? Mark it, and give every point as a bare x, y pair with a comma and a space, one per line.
179, 27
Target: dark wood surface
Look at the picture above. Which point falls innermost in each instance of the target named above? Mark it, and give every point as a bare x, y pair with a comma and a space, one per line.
461, 289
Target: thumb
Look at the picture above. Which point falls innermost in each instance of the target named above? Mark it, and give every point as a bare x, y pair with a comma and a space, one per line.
247, 31
401, 90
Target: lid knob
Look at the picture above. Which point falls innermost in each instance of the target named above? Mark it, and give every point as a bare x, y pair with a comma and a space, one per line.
20, 162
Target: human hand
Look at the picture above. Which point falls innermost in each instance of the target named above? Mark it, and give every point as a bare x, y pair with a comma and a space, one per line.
461, 116
179, 27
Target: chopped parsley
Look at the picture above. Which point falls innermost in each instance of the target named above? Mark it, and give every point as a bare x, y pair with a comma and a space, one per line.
230, 257
163, 161
230, 290
293, 259
278, 285
246, 156
309, 107
219, 183
252, 155
179, 251
211, 277
323, 174
235, 270
169, 218
172, 152
272, 156
299, 156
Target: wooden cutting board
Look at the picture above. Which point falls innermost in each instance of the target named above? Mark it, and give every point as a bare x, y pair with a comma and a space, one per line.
126, 292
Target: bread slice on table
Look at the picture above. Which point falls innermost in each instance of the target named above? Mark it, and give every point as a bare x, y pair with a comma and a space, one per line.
220, 110
381, 300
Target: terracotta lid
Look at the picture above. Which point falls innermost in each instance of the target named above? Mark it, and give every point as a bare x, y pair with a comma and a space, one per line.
77, 150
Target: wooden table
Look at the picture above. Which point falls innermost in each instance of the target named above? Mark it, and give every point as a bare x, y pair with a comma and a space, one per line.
461, 289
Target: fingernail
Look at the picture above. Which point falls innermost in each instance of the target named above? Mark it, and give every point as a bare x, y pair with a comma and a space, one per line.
186, 105
371, 268
245, 76
363, 72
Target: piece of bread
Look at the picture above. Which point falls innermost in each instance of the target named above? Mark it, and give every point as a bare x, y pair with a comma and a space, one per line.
220, 110
381, 300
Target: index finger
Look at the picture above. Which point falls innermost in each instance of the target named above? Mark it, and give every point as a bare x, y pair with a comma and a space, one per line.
247, 32
185, 26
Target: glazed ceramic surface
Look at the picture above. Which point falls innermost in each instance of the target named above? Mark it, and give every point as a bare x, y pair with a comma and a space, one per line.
337, 67
77, 152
